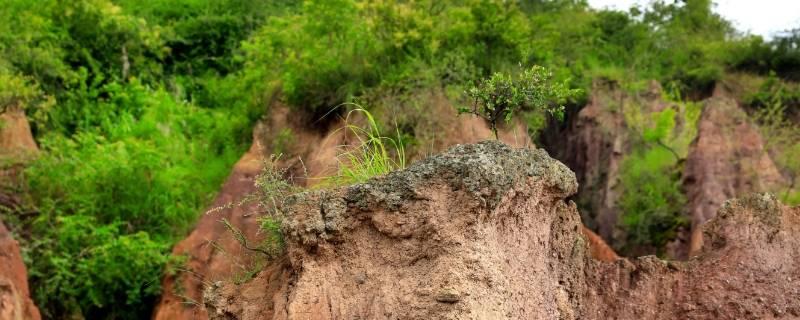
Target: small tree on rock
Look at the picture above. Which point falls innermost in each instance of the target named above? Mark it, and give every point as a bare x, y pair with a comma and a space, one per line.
499, 96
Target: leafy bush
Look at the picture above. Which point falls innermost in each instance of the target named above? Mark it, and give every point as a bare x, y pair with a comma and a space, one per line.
203, 36
137, 127
21, 92
101, 271
141, 180
331, 51
773, 92
652, 200
497, 97
780, 55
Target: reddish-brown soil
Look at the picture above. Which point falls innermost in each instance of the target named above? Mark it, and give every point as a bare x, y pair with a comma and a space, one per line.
15, 302
483, 232
15, 133
598, 248
16, 143
747, 269
440, 240
211, 251
727, 159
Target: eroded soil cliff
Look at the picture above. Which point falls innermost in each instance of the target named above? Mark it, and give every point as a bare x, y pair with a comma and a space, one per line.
212, 254
15, 302
16, 143
483, 232
727, 159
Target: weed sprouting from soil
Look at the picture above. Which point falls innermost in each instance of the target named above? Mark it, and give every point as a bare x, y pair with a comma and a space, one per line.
373, 154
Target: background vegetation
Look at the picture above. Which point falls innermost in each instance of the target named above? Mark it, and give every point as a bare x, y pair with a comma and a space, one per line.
141, 107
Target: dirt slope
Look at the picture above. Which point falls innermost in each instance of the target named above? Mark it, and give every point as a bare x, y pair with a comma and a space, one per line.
483, 232
598, 248
15, 302
212, 252
727, 159
214, 255
16, 143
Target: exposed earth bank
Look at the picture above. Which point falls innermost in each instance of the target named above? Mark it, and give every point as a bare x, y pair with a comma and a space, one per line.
15, 301
484, 232
727, 159
16, 144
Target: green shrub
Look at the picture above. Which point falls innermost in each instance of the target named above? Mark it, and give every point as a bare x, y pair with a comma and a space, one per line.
498, 97
83, 267
141, 176
780, 55
774, 91
21, 92
781, 134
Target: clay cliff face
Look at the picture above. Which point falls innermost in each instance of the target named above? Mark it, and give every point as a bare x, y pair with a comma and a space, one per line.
15, 302
727, 159
211, 252
15, 133
16, 143
747, 269
466, 234
483, 232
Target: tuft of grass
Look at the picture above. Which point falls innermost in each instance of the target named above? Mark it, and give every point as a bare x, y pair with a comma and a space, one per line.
373, 155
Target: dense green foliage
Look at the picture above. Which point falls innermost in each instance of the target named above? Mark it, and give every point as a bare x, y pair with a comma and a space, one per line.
141, 107
781, 55
138, 127
651, 201
330, 51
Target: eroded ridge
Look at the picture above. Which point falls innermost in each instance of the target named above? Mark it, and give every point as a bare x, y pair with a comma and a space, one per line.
483, 231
